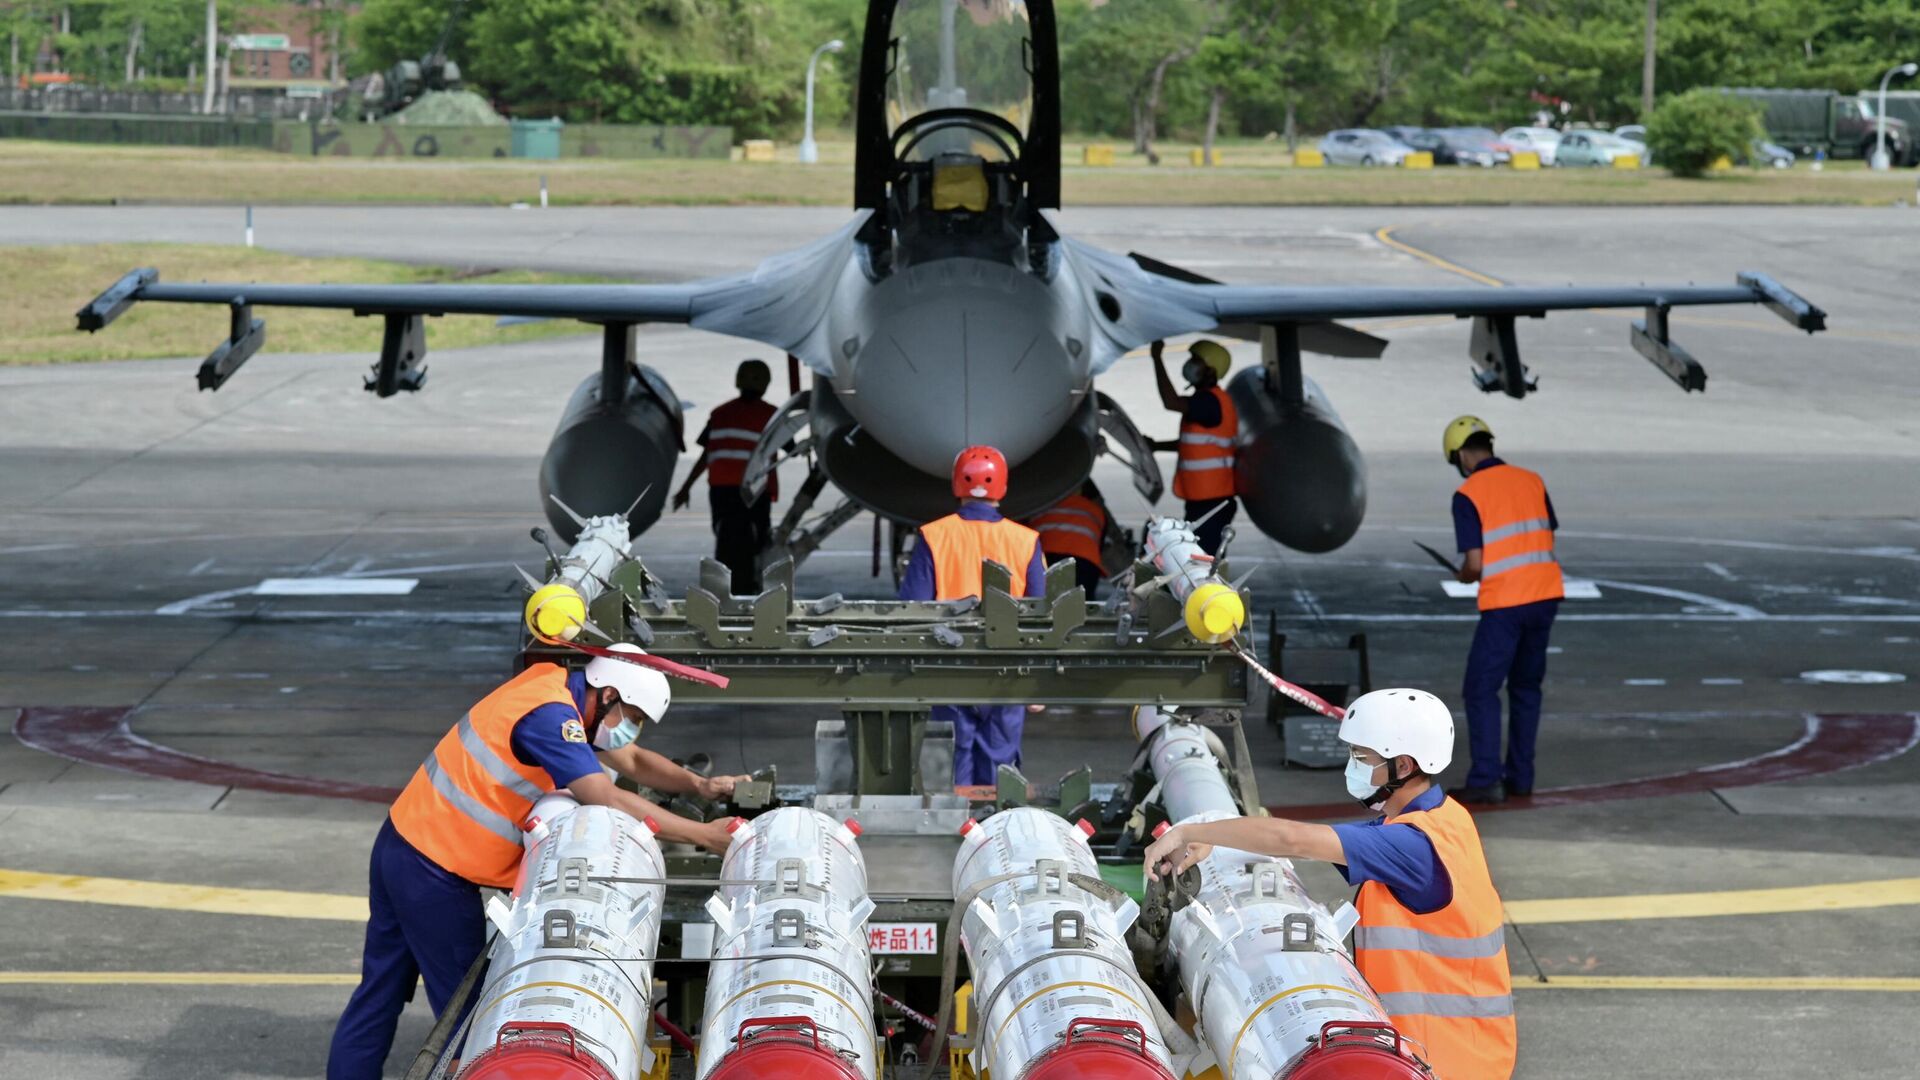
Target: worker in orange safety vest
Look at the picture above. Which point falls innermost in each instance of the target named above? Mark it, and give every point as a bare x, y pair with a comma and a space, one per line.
741, 530
1431, 940
945, 565
456, 828
1077, 527
1503, 524
1209, 431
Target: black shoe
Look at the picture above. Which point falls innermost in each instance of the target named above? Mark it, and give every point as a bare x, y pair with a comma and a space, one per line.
1520, 793
1480, 796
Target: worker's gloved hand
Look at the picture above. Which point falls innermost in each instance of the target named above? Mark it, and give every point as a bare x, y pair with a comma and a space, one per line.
1173, 853
681, 498
713, 835
717, 787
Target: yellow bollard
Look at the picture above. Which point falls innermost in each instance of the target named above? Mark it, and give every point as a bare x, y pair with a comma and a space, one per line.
1526, 160
1418, 159
1309, 159
1096, 154
1627, 161
757, 150
1197, 157
958, 1067
1723, 163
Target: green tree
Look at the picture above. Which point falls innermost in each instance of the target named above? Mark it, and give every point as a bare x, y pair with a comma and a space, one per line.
1689, 132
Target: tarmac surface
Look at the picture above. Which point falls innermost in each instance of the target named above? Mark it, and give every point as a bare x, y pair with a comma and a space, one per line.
1727, 886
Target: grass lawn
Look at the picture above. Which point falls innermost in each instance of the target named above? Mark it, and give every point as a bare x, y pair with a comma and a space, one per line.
44, 286
1252, 173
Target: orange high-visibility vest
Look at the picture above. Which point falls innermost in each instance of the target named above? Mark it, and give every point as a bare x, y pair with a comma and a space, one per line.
1073, 526
1516, 537
733, 430
1205, 469
465, 804
1443, 976
957, 546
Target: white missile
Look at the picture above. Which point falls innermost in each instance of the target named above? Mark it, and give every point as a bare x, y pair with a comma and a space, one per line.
569, 987
1055, 993
1212, 609
1262, 964
790, 989
558, 608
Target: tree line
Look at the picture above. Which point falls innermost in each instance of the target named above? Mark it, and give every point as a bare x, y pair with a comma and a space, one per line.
1133, 69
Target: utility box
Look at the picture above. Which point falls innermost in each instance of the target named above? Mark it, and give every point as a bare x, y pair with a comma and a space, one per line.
1525, 160
1418, 159
1096, 154
537, 139
760, 150
1338, 673
1309, 159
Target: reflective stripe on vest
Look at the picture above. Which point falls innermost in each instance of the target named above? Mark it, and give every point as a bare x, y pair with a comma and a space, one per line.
958, 546
1205, 467
1075, 526
1442, 976
463, 807
1517, 564
733, 430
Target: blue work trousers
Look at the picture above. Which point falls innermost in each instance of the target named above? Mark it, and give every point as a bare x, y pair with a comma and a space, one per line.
985, 737
424, 922
1509, 646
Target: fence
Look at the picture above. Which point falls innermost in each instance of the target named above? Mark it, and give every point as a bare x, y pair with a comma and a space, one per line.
93, 99
138, 129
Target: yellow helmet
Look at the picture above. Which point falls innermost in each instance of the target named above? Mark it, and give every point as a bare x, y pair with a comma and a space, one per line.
1457, 433
753, 376
1214, 355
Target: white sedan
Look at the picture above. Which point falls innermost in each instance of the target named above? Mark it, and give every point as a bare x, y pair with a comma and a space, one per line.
1362, 146
1540, 140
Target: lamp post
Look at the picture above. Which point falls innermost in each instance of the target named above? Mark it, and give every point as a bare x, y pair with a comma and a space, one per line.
810, 150
1880, 159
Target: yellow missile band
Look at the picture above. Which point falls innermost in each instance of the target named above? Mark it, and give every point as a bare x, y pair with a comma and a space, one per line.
1215, 613
556, 611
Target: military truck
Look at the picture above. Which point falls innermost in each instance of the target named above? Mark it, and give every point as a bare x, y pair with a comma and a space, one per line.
1843, 125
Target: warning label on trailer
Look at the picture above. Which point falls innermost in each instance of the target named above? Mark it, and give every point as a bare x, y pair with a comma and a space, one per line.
911, 938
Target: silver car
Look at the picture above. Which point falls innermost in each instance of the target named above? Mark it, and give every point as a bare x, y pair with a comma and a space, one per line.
1540, 140
1362, 146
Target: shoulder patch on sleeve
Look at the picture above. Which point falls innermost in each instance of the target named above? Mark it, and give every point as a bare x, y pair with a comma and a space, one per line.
573, 731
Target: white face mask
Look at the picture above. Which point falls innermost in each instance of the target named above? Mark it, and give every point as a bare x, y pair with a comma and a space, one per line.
614, 736
1360, 783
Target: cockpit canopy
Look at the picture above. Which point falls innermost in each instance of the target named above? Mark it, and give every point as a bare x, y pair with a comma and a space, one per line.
960, 54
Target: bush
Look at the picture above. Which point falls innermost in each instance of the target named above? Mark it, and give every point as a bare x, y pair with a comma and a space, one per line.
1690, 132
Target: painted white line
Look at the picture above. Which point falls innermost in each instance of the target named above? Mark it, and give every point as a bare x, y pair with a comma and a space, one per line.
1723, 682
336, 586
1644, 682
1309, 602
201, 567
1721, 571
1574, 588
444, 568
195, 603
1904, 554
1725, 607
1853, 678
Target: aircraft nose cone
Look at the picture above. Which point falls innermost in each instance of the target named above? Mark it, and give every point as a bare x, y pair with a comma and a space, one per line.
964, 361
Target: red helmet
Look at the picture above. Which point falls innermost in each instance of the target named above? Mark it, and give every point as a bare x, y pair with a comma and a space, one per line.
980, 472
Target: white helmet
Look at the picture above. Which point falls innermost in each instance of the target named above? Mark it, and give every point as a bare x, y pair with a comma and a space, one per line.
641, 687
1402, 721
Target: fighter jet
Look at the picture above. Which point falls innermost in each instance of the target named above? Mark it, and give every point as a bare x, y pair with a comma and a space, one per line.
950, 311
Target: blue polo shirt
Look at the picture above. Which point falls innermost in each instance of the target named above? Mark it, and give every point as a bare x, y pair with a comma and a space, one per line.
917, 583
1399, 857
554, 737
1466, 516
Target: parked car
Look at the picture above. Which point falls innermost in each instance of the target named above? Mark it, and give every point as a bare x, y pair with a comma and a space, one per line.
1772, 154
1596, 148
1541, 140
1637, 133
1362, 146
1463, 146
1403, 132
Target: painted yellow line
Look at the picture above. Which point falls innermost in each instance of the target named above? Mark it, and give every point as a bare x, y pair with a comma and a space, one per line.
176, 978
1801, 983
1385, 236
167, 896
1842, 896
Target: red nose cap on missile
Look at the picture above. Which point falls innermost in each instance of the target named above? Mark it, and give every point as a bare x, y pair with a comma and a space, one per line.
535, 1051
1349, 1051
782, 1048
1096, 1049
853, 826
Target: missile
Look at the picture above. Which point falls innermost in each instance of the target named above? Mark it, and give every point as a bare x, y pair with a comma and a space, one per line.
558, 607
1055, 993
569, 988
790, 989
1213, 610
1262, 964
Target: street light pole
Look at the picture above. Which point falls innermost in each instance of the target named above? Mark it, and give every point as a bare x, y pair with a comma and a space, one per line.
1880, 159
810, 150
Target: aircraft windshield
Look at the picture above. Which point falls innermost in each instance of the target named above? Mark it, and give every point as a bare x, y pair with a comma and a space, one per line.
960, 54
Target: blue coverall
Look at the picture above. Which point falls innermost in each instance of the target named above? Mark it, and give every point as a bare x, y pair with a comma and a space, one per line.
1509, 646
425, 922
984, 736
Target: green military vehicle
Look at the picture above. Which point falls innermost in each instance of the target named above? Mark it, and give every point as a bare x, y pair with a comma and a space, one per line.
1843, 125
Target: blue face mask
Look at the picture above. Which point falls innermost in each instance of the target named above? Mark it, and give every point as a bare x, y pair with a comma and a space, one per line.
615, 736
1360, 783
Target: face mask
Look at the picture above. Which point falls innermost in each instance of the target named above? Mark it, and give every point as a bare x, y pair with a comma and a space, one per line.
1360, 783
1191, 371
615, 736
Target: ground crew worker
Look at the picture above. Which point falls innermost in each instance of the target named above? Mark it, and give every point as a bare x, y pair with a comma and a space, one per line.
1076, 528
1503, 524
1209, 427
1430, 939
945, 565
457, 826
740, 530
